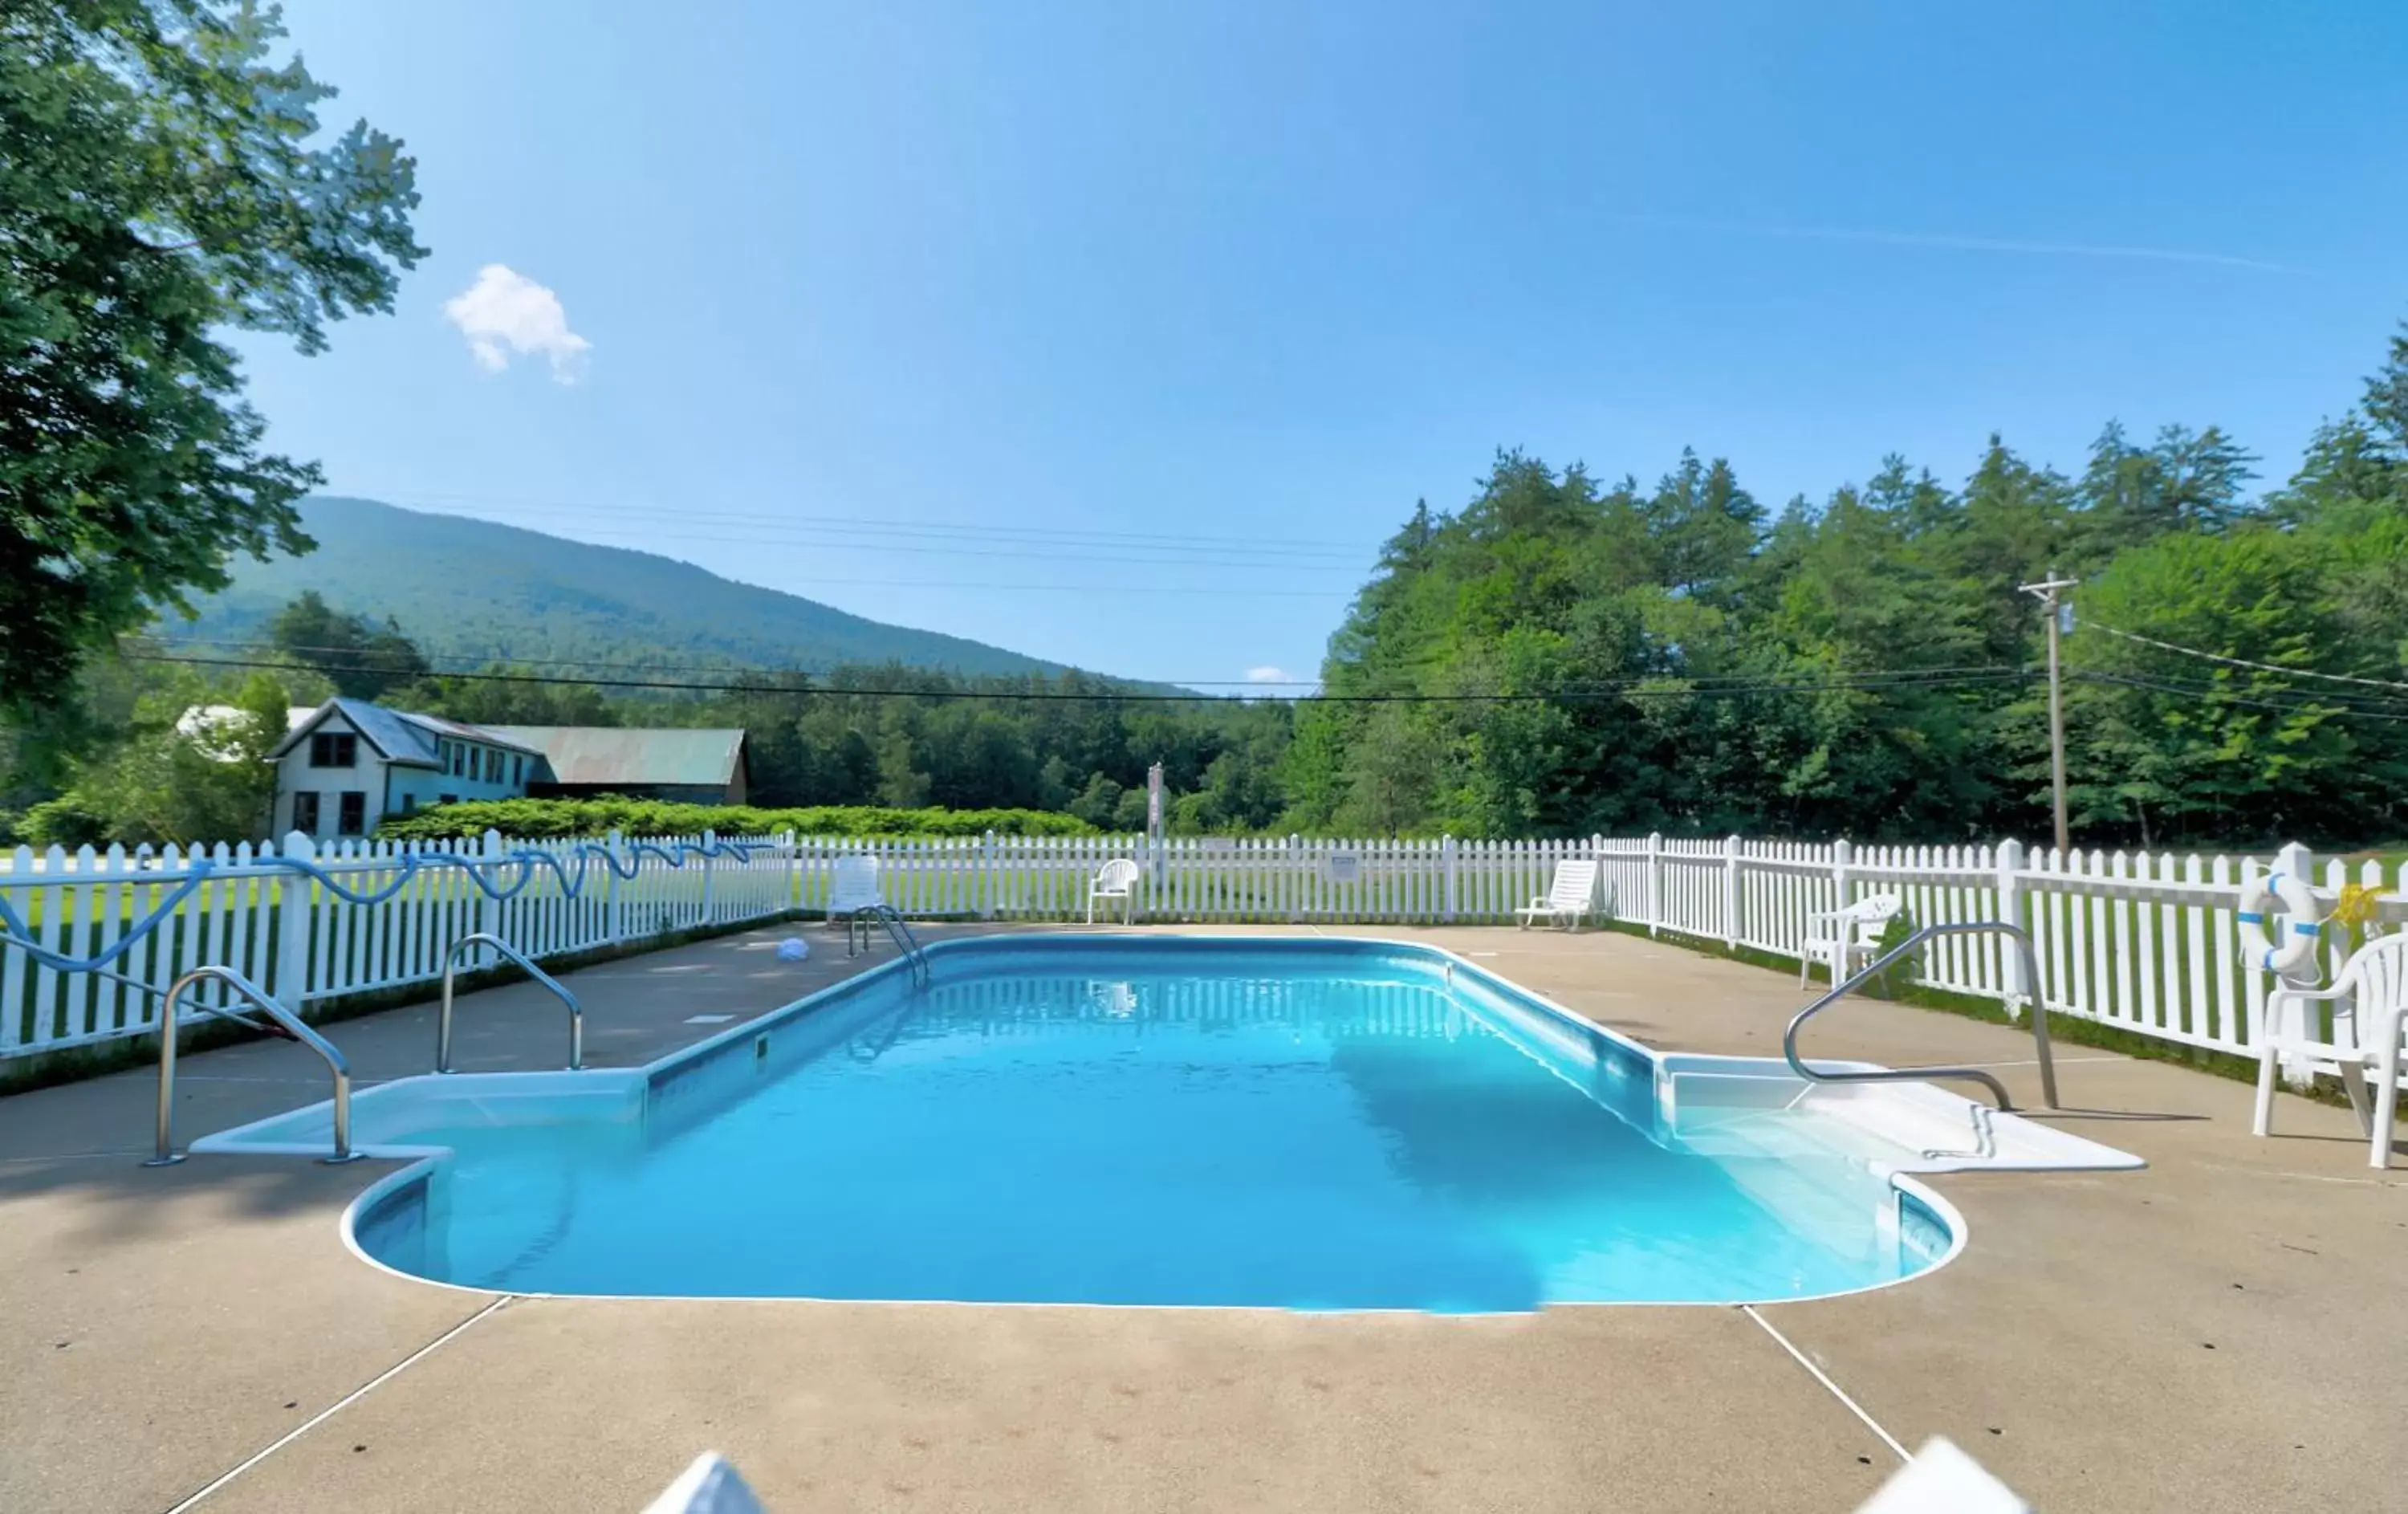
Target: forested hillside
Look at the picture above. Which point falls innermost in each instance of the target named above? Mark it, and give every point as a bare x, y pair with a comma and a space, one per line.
1613, 658
476, 590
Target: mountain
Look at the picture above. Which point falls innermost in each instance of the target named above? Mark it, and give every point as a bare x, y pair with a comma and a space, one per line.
471, 588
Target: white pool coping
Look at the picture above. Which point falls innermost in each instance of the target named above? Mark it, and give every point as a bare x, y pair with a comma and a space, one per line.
1907, 1115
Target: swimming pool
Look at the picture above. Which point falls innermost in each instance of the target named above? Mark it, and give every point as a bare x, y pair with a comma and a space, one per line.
1304, 1124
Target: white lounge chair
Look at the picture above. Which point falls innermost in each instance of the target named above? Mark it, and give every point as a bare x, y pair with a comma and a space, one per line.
853, 887
1117, 880
1842, 936
2370, 1000
1568, 899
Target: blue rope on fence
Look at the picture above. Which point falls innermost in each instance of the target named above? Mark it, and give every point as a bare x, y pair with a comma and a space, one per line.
481, 871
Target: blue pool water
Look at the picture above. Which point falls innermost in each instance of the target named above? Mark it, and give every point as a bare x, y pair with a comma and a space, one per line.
1311, 1125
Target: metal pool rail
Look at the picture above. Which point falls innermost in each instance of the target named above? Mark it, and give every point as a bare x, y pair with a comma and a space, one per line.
285, 1022
525, 964
1971, 1074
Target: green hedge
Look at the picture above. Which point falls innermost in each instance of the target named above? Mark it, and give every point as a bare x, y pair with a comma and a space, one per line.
552, 817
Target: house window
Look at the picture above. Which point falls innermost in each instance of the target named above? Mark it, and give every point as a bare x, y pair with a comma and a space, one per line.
492, 767
518, 771
304, 812
447, 798
409, 804
459, 758
334, 749
352, 819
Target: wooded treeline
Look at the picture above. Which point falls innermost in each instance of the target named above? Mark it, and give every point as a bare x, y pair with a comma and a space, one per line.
1680, 658
1564, 655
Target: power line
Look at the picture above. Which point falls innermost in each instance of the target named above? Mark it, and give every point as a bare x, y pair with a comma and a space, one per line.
2244, 662
831, 530
1039, 550
2311, 706
1656, 687
885, 523
1149, 590
1695, 681
2304, 698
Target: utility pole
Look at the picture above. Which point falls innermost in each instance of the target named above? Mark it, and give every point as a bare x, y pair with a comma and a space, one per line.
2046, 592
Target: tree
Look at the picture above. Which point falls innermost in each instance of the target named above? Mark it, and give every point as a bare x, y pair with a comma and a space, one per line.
1098, 802
2179, 746
156, 182
189, 768
1703, 525
364, 661
2386, 402
901, 784
2348, 472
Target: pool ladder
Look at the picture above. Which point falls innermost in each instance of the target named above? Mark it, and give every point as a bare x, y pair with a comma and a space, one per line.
525, 964
281, 1021
898, 930
2030, 986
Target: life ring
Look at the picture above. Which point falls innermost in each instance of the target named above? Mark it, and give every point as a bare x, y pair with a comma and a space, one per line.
2295, 952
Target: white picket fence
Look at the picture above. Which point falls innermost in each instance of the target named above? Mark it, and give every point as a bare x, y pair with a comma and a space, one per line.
302, 944
2144, 942
1243, 879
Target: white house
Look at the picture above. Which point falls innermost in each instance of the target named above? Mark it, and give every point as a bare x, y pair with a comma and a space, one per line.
351, 763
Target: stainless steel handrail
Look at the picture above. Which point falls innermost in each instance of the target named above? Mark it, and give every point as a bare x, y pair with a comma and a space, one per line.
898, 930
452, 973
165, 1155
2030, 986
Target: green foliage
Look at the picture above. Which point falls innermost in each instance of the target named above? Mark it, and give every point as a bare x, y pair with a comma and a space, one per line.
1900, 974
361, 660
154, 185
188, 764
68, 820
554, 817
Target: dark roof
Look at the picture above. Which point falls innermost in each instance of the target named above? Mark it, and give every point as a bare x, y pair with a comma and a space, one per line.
601, 756
400, 736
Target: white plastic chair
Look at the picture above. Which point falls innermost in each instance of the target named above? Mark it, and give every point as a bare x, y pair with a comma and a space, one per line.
1842, 936
1570, 897
853, 886
1117, 880
2370, 1000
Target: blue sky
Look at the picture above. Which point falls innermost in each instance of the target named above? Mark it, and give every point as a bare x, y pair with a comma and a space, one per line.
1142, 326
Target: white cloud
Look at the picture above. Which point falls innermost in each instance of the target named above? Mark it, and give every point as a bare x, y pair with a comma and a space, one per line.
505, 312
1267, 674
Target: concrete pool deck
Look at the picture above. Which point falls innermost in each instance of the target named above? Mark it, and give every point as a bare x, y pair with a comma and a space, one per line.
2227, 1329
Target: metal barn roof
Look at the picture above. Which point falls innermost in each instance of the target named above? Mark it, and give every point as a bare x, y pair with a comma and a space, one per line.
602, 755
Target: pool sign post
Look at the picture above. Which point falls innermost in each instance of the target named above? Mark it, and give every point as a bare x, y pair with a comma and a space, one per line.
1154, 821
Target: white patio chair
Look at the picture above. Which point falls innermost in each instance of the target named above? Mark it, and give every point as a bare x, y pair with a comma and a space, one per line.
853, 887
1116, 880
2370, 1000
1842, 936
1568, 899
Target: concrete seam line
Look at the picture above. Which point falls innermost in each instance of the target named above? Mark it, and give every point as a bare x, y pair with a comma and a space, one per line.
337, 1408
1820, 1375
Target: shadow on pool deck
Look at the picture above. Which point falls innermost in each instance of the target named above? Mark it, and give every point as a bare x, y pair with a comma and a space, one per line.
2219, 1332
